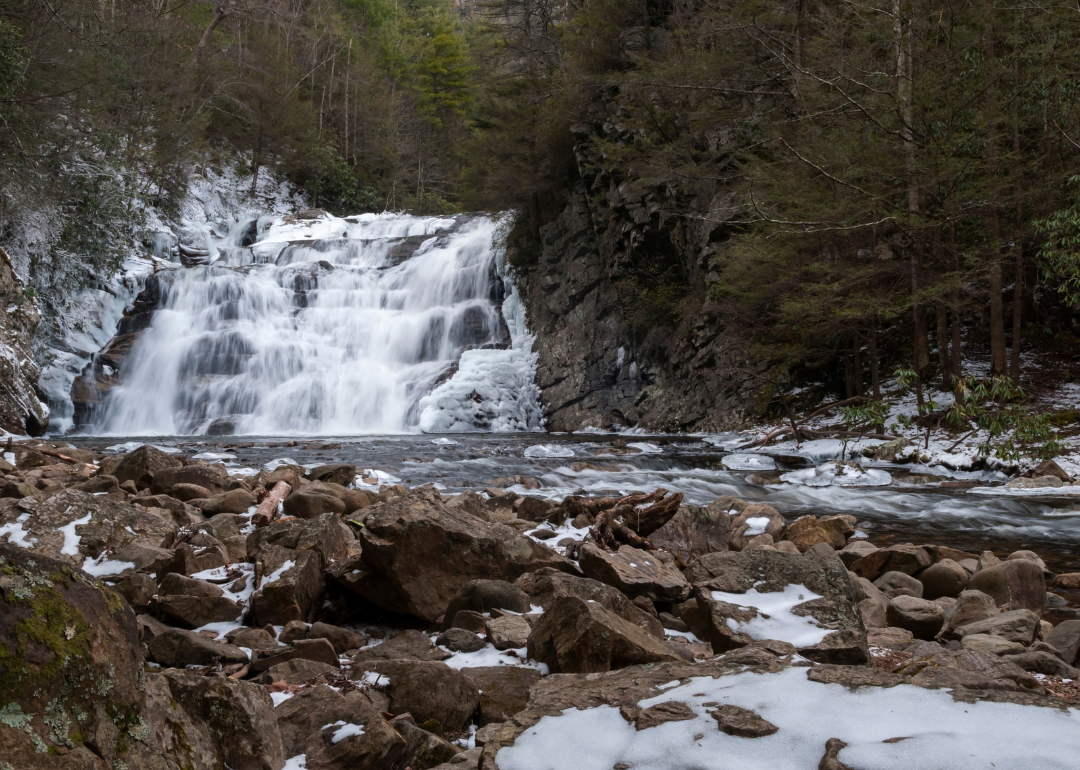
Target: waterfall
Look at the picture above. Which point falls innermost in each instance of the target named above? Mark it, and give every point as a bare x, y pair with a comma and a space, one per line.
326, 326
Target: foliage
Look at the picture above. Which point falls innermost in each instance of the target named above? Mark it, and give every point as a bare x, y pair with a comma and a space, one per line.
1060, 251
1013, 431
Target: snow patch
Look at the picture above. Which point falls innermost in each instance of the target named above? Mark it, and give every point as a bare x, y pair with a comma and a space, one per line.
775, 619
16, 534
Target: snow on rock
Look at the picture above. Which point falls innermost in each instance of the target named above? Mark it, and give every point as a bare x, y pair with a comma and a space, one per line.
647, 447
775, 619
17, 535
748, 462
837, 474
72, 540
103, 566
549, 450
933, 730
298, 762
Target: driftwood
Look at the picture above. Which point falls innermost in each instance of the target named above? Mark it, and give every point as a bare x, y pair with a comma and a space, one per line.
629, 520
267, 509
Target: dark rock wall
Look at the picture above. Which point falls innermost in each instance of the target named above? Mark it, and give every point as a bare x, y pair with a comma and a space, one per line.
21, 409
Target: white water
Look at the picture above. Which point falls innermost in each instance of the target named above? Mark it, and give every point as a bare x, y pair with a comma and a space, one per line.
334, 326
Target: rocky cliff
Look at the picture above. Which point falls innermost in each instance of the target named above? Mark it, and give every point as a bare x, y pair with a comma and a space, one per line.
21, 411
600, 363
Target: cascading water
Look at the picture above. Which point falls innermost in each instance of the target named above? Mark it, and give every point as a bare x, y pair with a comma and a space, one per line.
327, 326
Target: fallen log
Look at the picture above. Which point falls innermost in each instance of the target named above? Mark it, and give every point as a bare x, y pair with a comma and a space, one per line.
628, 523
268, 508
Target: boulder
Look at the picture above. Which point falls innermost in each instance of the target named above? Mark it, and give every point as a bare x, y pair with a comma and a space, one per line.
185, 492
889, 637
327, 535
485, 595
308, 503
429, 690
579, 636
1015, 626
694, 531
840, 527
342, 639
855, 550
996, 645
968, 670
1066, 638
176, 648
923, 618
295, 671
905, 557
504, 690
309, 709
336, 473
1068, 580
68, 662
293, 630
78, 528
805, 532
318, 650
1013, 585
634, 572
289, 588
195, 611
407, 645
971, 607
460, 640
417, 553
253, 639
213, 478
873, 614
141, 465
765, 520
238, 715
422, 750
137, 589
175, 584
1041, 662
234, 501
943, 578
548, 585
508, 632
727, 586
899, 584
1049, 468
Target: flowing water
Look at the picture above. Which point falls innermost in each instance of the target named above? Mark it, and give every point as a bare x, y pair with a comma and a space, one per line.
372, 324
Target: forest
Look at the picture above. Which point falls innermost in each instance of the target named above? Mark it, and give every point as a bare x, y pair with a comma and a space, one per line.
884, 186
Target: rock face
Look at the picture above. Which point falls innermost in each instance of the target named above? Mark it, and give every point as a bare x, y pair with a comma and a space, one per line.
592, 368
694, 531
418, 552
67, 666
20, 409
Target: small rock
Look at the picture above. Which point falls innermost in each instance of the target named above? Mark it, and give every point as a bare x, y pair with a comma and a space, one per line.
741, 722
508, 632
662, 713
922, 618
1044, 663
971, 607
460, 640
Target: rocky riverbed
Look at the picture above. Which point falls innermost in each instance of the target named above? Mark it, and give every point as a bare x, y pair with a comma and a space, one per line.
306, 606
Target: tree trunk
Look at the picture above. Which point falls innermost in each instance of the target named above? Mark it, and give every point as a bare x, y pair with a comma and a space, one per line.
856, 364
875, 381
848, 390
1018, 306
221, 10
944, 364
997, 311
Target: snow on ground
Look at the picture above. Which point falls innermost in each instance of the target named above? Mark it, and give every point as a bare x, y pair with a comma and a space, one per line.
895, 728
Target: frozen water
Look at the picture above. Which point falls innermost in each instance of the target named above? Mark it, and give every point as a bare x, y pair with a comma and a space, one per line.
549, 450
838, 475
748, 462
371, 324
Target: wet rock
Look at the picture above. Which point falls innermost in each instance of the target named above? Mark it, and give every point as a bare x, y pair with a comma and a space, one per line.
1066, 638
325, 535
211, 477
899, 584
485, 595
922, 618
1014, 585
289, 588
508, 632
504, 690
418, 553
141, 466
577, 636
971, 607
1016, 626
238, 715
694, 531
995, 645
460, 640
176, 648
766, 520
335, 473
634, 572
820, 572
233, 501
944, 578
429, 690
546, 586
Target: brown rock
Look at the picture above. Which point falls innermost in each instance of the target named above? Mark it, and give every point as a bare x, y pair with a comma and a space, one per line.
176, 648
423, 750
546, 586
741, 722
576, 636
195, 611
428, 690
776, 526
326, 536
1068, 580
1014, 585
233, 501
185, 492
1066, 638
1015, 626
290, 586
418, 553
308, 503
504, 690
342, 639
508, 632
211, 477
922, 618
693, 531
407, 645
483, 596
295, 671
944, 578
142, 464
634, 573
805, 532
971, 607
318, 650
662, 713
1049, 468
